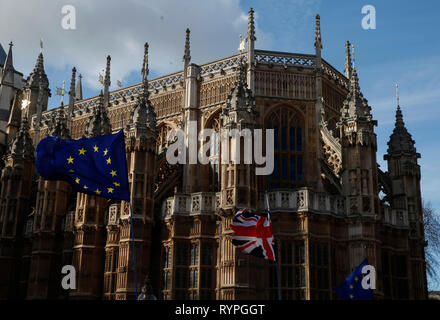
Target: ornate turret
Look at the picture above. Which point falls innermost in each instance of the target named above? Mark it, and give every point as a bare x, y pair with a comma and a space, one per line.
187, 56
240, 103
78, 90
251, 47
359, 173
72, 91
143, 116
355, 106
38, 75
107, 83
318, 41
58, 127
36, 90
99, 123
251, 26
405, 199
22, 146
348, 64
400, 141
141, 150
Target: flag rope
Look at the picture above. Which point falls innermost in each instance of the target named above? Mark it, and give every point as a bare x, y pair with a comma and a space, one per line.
276, 258
133, 248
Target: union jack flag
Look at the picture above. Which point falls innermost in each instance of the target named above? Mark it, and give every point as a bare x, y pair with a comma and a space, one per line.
253, 234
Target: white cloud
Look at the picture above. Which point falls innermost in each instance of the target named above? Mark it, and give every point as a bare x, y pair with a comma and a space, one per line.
120, 28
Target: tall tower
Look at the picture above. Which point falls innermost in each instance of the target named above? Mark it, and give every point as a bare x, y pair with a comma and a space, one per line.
319, 105
359, 173
89, 225
406, 200
141, 157
238, 189
15, 201
50, 209
190, 116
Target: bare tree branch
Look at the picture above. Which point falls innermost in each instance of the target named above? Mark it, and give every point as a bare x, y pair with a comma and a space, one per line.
432, 234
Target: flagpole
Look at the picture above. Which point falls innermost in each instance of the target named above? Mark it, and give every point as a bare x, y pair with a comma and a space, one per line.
133, 248
276, 260
278, 280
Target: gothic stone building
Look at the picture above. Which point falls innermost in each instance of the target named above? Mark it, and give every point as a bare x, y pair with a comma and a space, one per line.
331, 204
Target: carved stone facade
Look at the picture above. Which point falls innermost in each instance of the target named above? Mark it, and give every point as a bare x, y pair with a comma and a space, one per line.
323, 193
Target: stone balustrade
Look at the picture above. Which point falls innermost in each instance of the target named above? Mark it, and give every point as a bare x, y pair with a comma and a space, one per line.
303, 200
190, 204
396, 217
298, 200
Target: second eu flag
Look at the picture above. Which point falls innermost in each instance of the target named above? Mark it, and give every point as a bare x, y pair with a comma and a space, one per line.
95, 166
351, 287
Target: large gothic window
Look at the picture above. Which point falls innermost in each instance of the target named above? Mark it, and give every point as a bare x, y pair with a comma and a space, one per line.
214, 150
288, 148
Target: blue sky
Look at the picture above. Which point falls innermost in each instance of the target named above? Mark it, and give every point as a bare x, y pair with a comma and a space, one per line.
404, 48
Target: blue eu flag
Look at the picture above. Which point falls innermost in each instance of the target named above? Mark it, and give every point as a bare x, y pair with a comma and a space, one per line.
95, 166
351, 287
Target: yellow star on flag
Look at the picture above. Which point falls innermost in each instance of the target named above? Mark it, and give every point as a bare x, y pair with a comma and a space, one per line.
70, 159
109, 161
356, 279
82, 151
105, 151
113, 173
71, 170
116, 184
95, 148
351, 296
351, 286
85, 187
98, 191
110, 190
77, 180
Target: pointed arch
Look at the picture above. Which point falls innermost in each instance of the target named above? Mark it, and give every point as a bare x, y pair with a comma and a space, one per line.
288, 123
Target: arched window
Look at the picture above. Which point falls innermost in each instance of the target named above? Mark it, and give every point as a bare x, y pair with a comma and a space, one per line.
288, 148
214, 150
162, 142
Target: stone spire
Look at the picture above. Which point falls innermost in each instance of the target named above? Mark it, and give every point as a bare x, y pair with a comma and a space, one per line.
107, 82
240, 102
348, 64
22, 147
99, 123
38, 75
250, 52
72, 91
186, 54
15, 115
79, 90
318, 41
8, 68
400, 140
58, 127
251, 26
143, 115
355, 106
